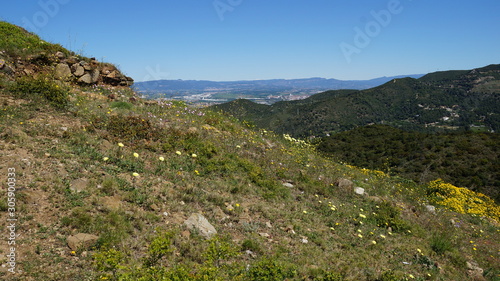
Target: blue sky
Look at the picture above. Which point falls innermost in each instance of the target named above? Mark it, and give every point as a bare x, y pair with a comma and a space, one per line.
227, 40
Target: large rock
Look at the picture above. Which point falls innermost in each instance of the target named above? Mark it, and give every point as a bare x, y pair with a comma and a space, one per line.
81, 241
344, 184
199, 223
60, 55
63, 71
94, 75
86, 65
77, 70
87, 79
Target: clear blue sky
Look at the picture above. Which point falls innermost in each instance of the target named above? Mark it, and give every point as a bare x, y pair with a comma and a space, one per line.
226, 40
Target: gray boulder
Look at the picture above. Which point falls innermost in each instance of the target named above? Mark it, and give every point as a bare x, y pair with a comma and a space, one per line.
199, 223
87, 79
63, 71
77, 70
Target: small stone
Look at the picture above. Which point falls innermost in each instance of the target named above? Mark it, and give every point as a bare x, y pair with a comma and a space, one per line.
250, 253
474, 270
289, 229
60, 55
186, 234
264, 234
344, 183
431, 209
79, 185
359, 190
81, 240
268, 224
287, 184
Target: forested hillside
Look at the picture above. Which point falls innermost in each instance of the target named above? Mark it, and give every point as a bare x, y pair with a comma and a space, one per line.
464, 159
442, 101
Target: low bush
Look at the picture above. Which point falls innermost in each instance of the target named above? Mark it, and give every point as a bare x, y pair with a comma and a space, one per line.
41, 88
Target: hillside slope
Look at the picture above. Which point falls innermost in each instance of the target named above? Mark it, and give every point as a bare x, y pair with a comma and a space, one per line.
437, 101
112, 187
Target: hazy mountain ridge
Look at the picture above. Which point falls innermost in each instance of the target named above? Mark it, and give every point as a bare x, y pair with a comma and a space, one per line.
266, 90
442, 100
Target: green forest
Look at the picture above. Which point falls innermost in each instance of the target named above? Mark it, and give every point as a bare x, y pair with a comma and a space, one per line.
462, 158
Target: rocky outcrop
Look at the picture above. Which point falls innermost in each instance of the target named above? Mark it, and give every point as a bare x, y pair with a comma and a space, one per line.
93, 72
75, 69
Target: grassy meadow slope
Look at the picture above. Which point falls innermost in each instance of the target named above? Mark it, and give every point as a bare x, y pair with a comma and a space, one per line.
98, 160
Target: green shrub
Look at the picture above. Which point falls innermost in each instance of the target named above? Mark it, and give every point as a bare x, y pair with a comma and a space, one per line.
389, 216
268, 269
329, 276
441, 243
108, 260
251, 245
159, 248
218, 251
121, 105
109, 186
130, 128
391, 276
41, 88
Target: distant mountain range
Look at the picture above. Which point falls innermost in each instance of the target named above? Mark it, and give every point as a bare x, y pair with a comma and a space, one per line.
446, 100
264, 91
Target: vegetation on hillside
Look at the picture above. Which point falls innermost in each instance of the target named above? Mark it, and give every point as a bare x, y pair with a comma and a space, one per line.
132, 171
464, 159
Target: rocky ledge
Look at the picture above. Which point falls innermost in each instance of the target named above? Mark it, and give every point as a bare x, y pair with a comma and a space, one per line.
67, 68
